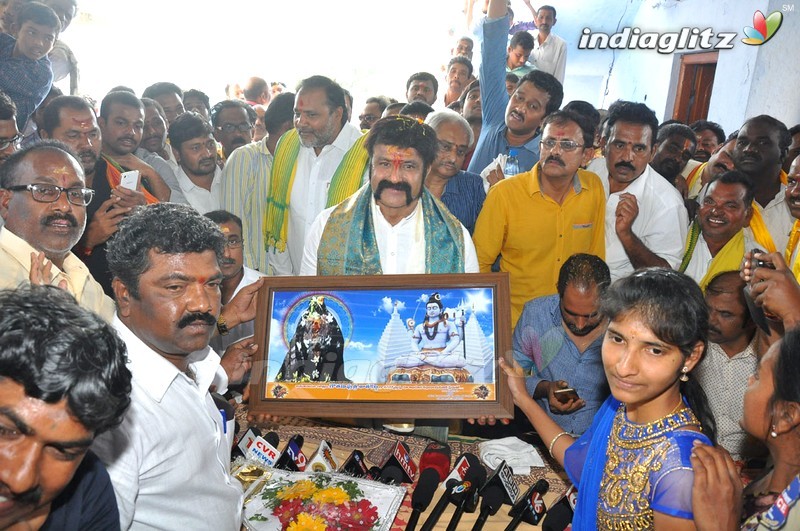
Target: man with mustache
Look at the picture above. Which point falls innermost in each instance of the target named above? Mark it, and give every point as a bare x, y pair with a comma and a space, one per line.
71, 120
675, 145
317, 165
509, 122
759, 152
233, 122
460, 191
729, 361
709, 136
534, 221
393, 225
43, 198
169, 96
646, 220
195, 150
719, 162
165, 262
51, 408
558, 340
121, 122
717, 240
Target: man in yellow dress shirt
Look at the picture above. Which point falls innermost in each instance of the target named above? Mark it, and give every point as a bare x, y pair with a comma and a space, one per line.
43, 198
536, 220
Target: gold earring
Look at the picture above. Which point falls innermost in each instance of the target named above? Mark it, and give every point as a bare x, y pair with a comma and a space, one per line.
684, 374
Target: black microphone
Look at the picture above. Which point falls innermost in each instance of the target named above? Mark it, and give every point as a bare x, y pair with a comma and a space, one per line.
399, 459
438, 509
475, 478
292, 458
391, 475
559, 516
457, 477
530, 508
433, 465
354, 465
500, 488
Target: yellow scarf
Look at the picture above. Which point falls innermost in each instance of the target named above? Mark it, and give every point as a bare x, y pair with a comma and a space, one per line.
794, 236
346, 181
694, 178
727, 259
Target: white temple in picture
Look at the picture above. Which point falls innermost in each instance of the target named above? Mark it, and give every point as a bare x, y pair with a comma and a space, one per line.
395, 342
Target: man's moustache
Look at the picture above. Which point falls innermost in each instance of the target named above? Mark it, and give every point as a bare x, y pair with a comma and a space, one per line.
554, 159
66, 216
624, 164
193, 317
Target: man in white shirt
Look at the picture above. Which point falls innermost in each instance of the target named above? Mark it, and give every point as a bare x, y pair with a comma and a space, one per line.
393, 225
549, 50
717, 240
165, 262
646, 221
195, 150
729, 361
317, 165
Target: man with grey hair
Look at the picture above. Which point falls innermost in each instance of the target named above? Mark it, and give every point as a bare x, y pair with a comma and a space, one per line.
462, 192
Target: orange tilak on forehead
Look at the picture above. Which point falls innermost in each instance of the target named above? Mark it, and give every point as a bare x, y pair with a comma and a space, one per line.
399, 155
83, 124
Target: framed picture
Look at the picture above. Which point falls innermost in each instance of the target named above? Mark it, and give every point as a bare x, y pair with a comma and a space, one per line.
421, 346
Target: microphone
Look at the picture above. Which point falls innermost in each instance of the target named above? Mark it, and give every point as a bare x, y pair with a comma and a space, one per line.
244, 442
500, 488
560, 514
433, 466
530, 508
354, 465
475, 478
264, 449
292, 459
322, 460
456, 479
400, 458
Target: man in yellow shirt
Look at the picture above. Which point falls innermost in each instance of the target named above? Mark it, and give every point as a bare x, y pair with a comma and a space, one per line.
43, 198
536, 220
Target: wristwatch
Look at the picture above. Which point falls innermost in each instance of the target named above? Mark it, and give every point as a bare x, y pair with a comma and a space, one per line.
222, 325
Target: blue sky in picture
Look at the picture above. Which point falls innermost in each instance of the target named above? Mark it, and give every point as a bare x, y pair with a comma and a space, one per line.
364, 314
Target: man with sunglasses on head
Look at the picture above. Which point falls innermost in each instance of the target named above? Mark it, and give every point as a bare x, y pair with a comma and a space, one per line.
43, 198
536, 220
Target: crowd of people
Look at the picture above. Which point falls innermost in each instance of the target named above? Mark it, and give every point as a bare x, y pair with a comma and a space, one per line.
653, 272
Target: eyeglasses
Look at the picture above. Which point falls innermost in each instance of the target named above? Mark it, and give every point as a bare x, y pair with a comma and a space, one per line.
368, 118
230, 128
49, 193
447, 147
233, 243
6, 142
566, 145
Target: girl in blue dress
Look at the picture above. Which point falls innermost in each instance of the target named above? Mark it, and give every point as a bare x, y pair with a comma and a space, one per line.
632, 466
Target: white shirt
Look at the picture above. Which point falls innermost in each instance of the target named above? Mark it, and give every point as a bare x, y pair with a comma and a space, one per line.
550, 56
778, 219
220, 343
309, 195
401, 247
701, 257
198, 197
724, 381
169, 461
662, 223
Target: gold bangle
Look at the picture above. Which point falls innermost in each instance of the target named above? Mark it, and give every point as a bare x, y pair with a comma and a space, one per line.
553, 442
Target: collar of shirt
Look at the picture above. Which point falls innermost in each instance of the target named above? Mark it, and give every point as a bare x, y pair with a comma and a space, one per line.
779, 198
155, 374
187, 186
343, 141
377, 215
637, 186
536, 183
748, 352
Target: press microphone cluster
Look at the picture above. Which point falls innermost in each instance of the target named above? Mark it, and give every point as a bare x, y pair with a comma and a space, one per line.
462, 486
501, 488
530, 508
433, 465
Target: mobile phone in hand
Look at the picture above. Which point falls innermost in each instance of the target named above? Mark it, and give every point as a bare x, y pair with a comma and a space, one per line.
130, 180
566, 394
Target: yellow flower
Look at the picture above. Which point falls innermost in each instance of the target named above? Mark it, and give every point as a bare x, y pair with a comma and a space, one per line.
300, 489
331, 495
307, 522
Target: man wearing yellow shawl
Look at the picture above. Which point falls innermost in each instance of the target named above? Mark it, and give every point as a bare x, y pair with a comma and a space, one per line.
793, 201
759, 152
393, 224
317, 165
716, 240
